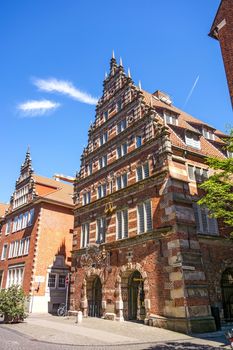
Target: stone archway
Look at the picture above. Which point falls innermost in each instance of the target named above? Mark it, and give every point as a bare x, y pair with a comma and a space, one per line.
93, 294
122, 290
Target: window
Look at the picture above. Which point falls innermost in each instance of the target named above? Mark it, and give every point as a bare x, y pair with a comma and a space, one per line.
144, 217
15, 276
21, 245
105, 116
121, 125
8, 227
121, 150
229, 154
170, 118
26, 246
208, 134
205, 224
61, 281
10, 252
192, 140
87, 198
25, 220
122, 181
85, 235
138, 141
103, 138
20, 196
30, 217
143, 171
122, 224
15, 223
52, 280
15, 250
103, 161
101, 229
119, 106
4, 251
89, 169
20, 221
102, 191
197, 174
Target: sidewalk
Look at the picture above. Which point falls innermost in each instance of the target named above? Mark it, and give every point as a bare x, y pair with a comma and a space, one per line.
93, 331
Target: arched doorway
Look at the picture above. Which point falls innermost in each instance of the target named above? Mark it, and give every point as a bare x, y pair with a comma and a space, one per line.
94, 296
227, 293
136, 305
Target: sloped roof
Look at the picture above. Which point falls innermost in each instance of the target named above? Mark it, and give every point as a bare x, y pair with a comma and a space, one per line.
3, 208
54, 190
188, 122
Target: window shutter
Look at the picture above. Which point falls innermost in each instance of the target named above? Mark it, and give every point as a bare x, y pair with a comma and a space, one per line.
119, 225
146, 169
124, 180
204, 219
118, 182
148, 216
196, 210
141, 225
119, 151
125, 217
139, 173
191, 172
213, 226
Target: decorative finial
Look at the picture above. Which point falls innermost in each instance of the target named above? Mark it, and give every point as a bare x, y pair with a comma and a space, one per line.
129, 75
113, 54
121, 64
140, 85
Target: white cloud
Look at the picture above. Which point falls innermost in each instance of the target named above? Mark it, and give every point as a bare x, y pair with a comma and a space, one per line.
35, 108
65, 88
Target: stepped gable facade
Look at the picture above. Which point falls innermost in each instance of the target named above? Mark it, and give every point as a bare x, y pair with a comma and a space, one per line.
35, 239
222, 30
142, 248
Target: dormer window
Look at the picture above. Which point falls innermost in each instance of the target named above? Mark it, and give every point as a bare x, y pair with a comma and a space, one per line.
208, 134
20, 196
192, 140
170, 118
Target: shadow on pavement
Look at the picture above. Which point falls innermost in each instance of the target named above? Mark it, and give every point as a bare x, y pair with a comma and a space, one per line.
183, 346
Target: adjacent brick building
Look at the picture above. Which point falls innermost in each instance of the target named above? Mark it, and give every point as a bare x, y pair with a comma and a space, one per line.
35, 238
142, 248
222, 30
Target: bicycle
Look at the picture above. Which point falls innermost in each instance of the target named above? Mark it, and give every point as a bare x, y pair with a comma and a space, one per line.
62, 310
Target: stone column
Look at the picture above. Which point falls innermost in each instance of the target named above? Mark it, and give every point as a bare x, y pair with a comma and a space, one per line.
84, 302
119, 301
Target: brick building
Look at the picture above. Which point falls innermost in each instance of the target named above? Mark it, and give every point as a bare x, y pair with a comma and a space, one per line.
142, 248
222, 30
35, 241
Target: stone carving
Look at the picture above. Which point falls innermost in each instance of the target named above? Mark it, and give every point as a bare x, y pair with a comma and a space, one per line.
95, 257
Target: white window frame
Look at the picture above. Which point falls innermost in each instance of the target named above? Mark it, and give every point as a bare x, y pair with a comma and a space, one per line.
147, 227
192, 140
122, 150
211, 222
122, 184
11, 249
86, 198
85, 235
102, 191
4, 251
16, 247
121, 231
195, 176
15, 275
103, 161
15, 224
31, 215
8, 227
143, 167
26, 246
100, 224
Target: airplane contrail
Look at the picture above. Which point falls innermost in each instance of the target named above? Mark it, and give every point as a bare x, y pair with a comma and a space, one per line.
191, 91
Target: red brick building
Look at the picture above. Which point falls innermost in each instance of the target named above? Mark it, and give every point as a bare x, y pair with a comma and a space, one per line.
35, 238
222, 30
142, 248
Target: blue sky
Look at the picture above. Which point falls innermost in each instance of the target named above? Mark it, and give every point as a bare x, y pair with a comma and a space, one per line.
165, 44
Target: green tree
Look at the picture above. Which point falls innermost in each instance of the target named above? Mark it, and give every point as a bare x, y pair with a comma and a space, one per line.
12, 304
218, 196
